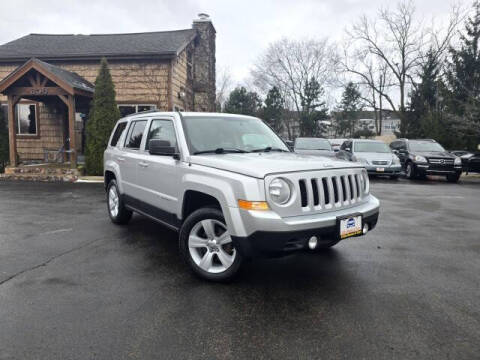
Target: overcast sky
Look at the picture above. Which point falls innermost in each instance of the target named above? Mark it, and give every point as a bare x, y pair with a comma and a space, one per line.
244, 27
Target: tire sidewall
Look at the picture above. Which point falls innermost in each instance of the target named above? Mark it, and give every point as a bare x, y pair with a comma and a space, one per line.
123, 215
412, 171
192, 220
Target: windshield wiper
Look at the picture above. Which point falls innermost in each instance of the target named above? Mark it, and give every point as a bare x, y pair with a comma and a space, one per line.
220, 151
268, 149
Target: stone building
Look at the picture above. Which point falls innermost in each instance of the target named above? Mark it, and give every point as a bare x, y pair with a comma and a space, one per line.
46, 82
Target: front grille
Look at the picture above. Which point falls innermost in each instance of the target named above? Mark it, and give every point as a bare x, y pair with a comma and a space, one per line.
380, 162
319, 191
441, 161
326, 192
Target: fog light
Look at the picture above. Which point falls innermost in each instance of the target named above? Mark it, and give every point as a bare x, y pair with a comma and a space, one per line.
312, 242
365, 228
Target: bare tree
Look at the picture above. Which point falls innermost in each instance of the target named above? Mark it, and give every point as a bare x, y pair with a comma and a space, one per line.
398, 43
290, 65
224, 86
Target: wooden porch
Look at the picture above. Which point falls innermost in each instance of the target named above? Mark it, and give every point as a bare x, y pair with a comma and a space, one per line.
59, 90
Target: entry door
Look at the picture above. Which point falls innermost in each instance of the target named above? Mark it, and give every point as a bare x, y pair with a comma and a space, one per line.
158, 175
130, 158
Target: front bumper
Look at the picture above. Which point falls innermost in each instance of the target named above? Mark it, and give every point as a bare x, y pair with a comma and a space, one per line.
428, 169
383, 170
267, 234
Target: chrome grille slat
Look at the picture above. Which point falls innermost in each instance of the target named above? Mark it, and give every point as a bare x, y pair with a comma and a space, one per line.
320, 191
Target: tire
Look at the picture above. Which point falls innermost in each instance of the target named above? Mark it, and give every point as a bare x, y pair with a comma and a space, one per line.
410, 171
394, 177
207, 247
115, 206
453, 178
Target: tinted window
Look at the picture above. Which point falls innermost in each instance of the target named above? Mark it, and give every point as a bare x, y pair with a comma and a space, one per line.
425, 146
371, 146
135, 134
118, 133
312, 144
162, 130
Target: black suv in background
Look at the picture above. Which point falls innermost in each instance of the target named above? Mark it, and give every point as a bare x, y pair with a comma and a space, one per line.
420, 158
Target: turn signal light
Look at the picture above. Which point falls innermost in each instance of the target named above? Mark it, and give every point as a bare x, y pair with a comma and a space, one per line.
252, 205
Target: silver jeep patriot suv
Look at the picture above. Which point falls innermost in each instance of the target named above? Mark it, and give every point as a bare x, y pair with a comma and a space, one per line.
231, 188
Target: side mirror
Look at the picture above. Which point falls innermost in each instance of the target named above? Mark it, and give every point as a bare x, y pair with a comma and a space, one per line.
162, 147
348, 149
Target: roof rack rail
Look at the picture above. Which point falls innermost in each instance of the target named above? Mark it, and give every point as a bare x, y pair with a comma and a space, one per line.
142, 112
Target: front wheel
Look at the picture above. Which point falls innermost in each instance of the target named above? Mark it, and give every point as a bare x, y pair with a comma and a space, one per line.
207, 247
410, 171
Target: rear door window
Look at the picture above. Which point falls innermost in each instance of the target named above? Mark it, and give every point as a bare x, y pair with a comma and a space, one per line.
118, 133
135, 134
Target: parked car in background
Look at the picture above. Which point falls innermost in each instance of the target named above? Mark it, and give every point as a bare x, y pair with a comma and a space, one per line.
424, 157
470, 161
336, 144
313, 146
233, 193
375, 155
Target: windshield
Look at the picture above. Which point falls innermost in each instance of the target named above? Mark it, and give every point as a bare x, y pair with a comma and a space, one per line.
312, 144
425, 146
370, 146
205, 134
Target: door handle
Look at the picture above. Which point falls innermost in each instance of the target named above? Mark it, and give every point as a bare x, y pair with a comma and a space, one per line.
119, 158
143, 164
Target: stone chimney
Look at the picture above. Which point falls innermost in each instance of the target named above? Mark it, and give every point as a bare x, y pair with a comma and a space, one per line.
204, 64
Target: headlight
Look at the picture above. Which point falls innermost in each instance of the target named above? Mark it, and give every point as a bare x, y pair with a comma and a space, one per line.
396, 160
458, 161
280, 191
363, 161
418, 158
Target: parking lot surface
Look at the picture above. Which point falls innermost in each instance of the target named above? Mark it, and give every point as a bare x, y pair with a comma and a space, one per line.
75, 286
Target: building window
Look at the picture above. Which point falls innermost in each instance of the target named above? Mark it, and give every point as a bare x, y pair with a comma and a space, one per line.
26, 119
127, 109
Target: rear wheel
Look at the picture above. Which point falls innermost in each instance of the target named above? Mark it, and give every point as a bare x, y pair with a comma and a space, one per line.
453, 178
394, 177
207, 247
116, 209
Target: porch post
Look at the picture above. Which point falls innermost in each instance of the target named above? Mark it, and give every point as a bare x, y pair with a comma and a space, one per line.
12, 101
71, 131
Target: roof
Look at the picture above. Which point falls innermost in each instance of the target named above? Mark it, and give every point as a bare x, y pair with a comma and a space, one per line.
50, 46
68, 80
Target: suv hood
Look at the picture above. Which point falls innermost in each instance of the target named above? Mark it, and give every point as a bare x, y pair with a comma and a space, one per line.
261, 164
329, 153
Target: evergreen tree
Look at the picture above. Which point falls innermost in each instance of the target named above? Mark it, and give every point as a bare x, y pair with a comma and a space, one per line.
313, 109
241, 101
4, 147
350, 105
274, 110
102, 118
463, 78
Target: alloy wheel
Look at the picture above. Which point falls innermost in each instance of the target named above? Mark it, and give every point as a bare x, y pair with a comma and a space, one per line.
210, 246
113, 203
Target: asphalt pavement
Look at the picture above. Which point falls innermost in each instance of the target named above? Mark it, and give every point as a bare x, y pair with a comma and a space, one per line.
75, 286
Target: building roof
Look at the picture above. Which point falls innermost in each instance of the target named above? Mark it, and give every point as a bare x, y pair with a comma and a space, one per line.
70, 81
49, 46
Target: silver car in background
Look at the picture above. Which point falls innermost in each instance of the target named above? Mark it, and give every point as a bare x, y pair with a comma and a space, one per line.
375, 155
313, 146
